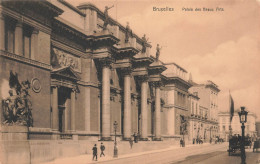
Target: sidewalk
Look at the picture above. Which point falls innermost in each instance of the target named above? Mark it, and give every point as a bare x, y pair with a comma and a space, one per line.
87, 158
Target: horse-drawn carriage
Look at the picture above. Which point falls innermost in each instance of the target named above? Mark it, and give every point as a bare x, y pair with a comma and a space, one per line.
234, 145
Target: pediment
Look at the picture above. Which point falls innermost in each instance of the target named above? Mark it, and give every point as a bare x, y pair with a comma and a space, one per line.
66, 72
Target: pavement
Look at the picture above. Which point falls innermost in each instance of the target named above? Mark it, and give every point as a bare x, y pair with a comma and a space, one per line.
221, 157
168, 155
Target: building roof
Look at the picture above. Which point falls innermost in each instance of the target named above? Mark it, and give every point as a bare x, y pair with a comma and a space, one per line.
208, 84
176, 65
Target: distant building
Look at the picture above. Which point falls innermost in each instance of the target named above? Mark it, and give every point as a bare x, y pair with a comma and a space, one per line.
257, 125
175, 94
224, 122
204, 109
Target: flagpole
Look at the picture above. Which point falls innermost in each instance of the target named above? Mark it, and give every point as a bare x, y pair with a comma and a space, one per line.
230, 120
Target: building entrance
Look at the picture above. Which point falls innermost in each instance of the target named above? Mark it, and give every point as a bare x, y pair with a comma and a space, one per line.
64, 108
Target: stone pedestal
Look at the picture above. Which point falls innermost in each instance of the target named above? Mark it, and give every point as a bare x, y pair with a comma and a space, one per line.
14, 144
14, 133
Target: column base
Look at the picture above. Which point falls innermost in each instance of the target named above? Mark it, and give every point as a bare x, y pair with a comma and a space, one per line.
55, 135
157, 139
126, 138
75, 137
143, 139
106, 139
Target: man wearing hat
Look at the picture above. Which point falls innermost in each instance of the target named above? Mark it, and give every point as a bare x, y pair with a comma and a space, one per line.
102, 148
94, 152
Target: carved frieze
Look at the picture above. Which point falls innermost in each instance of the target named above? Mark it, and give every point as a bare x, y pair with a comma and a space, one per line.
63, 59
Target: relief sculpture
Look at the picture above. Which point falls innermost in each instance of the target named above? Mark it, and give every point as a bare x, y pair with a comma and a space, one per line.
64, 59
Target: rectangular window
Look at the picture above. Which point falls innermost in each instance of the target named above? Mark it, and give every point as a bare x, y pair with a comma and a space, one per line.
27, 32
224, 128
9, 35
192, 108
27, 47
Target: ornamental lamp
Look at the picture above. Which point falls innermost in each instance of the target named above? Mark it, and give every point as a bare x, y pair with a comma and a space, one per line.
243, 115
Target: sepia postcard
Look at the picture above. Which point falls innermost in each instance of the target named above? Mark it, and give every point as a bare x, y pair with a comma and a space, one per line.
120, 81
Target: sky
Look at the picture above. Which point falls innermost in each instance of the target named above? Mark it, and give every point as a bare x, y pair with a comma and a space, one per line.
221, 46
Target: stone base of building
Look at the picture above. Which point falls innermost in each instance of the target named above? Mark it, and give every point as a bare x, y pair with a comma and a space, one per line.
126, 138
106, 139
14, 144
14, 133
143, 139
157, 139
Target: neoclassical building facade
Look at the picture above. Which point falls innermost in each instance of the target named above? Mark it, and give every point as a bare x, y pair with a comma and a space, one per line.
87, 71
85, 75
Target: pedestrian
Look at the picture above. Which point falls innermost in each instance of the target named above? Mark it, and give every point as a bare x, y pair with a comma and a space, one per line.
131, 142
102, 148
94, 152
181, 143
135, 137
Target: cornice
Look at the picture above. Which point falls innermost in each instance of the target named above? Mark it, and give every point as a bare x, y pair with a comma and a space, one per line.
114, 22
89, 84
25, 60
72, 7
44, 28
67, 48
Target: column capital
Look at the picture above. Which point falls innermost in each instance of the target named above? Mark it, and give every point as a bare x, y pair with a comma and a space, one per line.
126, 71
106, 62
19, 24
156, 84
2, 17
143, 78
35, 31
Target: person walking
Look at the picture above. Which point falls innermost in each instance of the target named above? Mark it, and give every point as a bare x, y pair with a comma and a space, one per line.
131, 142
94, 152
102, 148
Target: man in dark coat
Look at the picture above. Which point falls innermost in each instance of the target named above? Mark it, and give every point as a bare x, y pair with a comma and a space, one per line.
94, 152
102, 148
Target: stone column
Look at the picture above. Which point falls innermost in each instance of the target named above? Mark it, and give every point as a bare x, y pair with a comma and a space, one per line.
73, 114
127, 107
157, 113
144, 110
2, 31
34, 43
171, 121
86, 67
72, 108
105, 103
18, 42
55, 112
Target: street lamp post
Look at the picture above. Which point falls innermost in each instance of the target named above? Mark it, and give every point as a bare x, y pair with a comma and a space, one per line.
115, 143
243, 119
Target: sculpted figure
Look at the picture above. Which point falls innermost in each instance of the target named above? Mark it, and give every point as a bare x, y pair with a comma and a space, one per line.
106, 21
145, 41
17, 108
128, 33
10, 108
158, 51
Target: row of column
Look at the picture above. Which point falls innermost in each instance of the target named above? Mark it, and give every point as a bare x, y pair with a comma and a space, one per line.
55, 110
18, 39
127, 107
